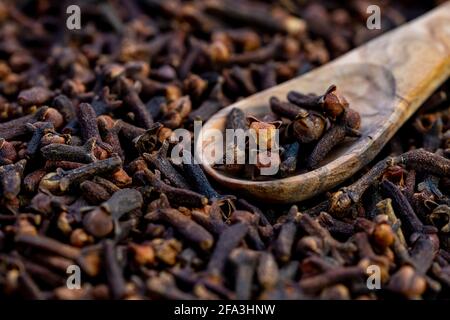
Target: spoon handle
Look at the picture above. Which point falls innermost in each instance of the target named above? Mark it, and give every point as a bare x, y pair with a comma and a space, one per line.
417, 55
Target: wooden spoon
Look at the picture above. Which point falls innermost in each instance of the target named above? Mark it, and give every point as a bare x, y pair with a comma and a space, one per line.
385, 80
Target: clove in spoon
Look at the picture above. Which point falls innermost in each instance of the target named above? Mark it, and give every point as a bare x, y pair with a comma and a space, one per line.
385, 80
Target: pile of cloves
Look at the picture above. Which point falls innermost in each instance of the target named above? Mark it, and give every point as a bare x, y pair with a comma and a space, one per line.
87, 185
298, 135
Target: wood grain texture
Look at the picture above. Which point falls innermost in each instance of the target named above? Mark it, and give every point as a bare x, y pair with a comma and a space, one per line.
386, 80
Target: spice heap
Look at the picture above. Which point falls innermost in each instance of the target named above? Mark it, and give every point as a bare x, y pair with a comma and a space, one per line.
86, 120
310, 126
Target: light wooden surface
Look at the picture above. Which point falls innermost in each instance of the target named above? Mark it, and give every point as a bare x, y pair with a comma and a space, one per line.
385, 80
